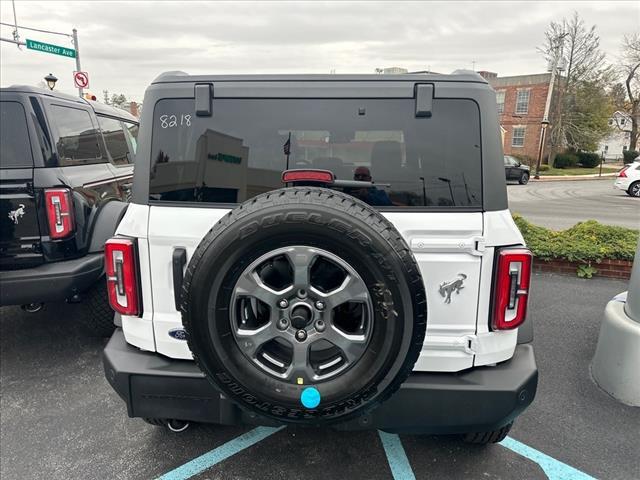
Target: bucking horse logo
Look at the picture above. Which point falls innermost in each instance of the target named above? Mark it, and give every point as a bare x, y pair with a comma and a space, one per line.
17, 213
447, 288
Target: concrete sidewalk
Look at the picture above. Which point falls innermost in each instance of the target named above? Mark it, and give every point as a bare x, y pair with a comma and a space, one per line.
557, 178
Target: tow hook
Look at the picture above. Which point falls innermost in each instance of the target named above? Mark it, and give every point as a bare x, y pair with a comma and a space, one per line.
32, 307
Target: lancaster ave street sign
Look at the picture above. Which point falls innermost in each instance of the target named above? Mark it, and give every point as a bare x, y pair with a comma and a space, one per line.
48, 48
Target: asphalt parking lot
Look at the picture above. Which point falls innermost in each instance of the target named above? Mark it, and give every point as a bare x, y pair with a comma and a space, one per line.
560, 204
61, 420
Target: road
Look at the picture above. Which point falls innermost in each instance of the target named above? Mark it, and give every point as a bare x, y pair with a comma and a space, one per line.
61, 420
561, 204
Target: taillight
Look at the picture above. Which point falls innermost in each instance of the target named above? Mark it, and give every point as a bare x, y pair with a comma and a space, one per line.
511, 288
59, 212
321, 176
122, 278
623, 173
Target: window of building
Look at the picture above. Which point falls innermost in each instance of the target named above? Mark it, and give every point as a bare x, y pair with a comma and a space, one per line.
522, 102
114, 138
623, 121
517, 139
500, 100
78, 142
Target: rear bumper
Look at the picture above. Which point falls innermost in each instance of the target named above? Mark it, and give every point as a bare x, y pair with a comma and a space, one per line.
481, 399
51, 281
622, 183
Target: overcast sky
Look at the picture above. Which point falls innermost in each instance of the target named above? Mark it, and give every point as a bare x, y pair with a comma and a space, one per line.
124, 46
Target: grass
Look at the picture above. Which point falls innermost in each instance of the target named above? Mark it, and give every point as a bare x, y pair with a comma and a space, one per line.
577, 171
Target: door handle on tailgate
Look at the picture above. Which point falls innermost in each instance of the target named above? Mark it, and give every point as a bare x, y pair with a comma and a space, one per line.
471, 245
178, 261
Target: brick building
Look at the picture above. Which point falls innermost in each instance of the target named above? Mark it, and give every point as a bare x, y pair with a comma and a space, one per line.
521, 100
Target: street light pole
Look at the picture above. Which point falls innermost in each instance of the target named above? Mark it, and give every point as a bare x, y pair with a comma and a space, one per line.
77, 48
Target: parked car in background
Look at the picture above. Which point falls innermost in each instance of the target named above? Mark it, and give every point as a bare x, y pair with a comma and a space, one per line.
66, 166
628, 179
516, 170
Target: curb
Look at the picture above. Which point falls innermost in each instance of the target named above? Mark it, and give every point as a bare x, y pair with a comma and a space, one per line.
559, 178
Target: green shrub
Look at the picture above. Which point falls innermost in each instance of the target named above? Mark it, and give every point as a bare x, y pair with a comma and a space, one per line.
585, 242
565, 160
544, 168
629, 155
588, 159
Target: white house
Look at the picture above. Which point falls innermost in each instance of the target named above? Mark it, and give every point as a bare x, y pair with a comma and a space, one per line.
619, 138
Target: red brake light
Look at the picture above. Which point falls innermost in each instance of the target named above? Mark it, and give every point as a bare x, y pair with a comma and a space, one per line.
322, 176
122, 276
511, 288
623, 173
59, 212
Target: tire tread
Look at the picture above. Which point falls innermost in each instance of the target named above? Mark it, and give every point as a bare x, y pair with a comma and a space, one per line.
484, 438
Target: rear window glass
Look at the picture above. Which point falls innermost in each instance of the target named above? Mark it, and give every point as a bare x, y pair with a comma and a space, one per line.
115, 139
243, 148
78, 141
15, 149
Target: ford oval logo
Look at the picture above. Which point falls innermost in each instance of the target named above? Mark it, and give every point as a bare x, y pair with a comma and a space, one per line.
178, 333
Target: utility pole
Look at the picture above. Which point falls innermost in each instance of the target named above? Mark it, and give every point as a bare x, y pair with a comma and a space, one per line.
16, 34
547, 106
77, 47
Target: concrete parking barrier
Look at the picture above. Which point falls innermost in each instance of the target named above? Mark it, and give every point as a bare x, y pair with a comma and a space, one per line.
615, 366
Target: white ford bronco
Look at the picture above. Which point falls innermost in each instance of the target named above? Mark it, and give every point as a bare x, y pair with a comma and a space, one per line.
321, 250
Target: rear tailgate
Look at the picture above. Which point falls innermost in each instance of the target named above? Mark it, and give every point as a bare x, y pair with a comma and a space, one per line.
19, 229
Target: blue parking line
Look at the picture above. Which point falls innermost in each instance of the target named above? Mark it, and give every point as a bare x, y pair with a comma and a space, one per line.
219, 454
396, 456
554, 469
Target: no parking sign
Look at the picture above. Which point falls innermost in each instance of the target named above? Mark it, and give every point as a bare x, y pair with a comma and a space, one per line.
81, 79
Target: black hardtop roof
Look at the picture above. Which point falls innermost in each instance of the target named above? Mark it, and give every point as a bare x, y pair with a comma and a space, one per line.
467, 76
97, 106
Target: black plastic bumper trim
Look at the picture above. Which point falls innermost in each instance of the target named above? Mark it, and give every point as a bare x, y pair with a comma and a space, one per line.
50, 281
476, 400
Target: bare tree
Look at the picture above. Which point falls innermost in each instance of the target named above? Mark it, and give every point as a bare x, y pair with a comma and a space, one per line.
575, 48
631, 73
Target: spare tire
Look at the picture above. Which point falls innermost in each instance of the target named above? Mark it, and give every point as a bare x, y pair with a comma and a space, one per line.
305, 305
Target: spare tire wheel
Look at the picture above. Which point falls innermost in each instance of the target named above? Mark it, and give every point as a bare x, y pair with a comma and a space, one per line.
304, 305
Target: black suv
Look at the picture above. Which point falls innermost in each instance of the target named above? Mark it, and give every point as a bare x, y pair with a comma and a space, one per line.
514, 169
66, 169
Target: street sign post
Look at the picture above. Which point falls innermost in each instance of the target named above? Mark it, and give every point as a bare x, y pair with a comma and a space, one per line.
49, 48
81, 79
